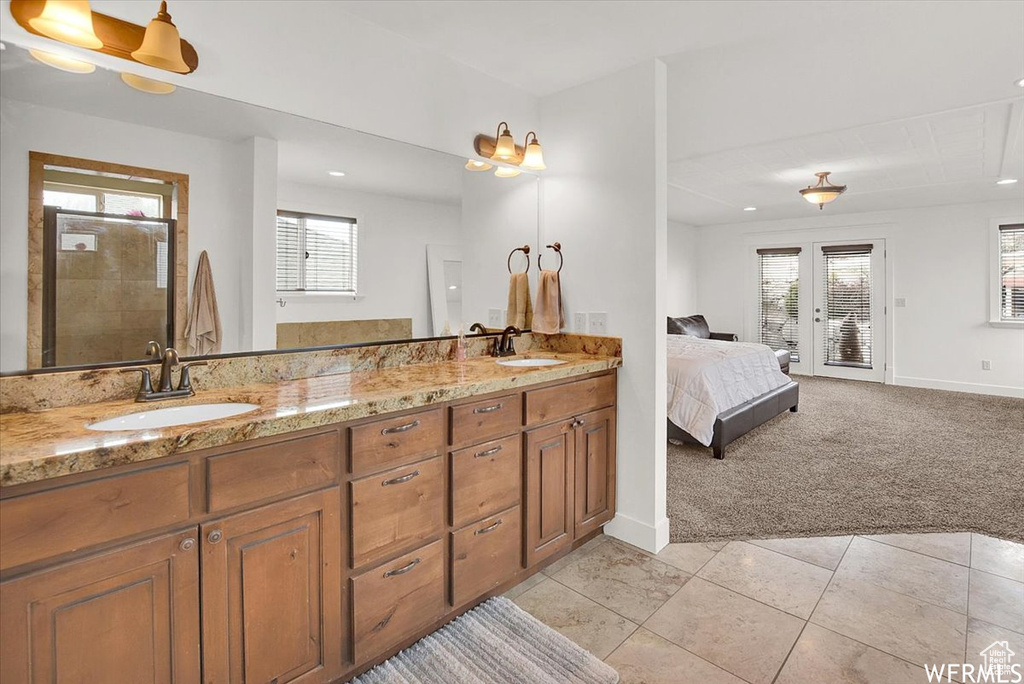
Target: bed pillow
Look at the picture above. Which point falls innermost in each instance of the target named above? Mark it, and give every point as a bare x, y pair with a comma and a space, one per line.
694, 326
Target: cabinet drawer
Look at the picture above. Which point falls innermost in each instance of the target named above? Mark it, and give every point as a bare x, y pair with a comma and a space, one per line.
570, 399
58, 521
392, 602
393, 441
272, 470
483, 420
485, 554
486, 479
396, 509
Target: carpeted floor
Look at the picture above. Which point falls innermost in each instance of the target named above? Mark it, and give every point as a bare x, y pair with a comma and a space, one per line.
859, 458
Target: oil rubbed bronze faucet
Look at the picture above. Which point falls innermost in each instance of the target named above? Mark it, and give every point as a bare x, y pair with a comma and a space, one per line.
505, 346
478, 328
166, 388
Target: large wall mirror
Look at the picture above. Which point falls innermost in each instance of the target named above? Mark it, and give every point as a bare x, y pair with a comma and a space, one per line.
314, 235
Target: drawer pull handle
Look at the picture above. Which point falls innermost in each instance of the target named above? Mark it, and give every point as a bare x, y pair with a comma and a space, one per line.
400, 428
404, 569
487, 452
488, 409
489, 528
400, 480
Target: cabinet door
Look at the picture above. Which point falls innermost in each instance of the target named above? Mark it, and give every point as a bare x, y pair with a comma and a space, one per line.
129, 615
549, 480
272, 601
595, 470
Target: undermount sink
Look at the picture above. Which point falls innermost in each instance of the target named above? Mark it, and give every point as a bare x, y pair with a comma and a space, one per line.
529, 363
175, 415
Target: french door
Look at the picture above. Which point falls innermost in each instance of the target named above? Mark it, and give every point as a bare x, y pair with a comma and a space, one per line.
849, 310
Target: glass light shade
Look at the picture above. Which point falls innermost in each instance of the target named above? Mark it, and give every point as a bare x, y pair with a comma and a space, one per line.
474, 165
161, 46
69, 21
147, 85
822, 196
74, 66
533, 159
505, 147
506, 172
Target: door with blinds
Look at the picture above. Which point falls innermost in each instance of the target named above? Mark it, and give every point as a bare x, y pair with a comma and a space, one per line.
849, 310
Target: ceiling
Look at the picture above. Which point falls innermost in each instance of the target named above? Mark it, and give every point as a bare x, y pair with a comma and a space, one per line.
910, 103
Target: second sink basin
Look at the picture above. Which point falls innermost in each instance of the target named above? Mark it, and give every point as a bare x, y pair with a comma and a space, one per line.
529, 363
175, 415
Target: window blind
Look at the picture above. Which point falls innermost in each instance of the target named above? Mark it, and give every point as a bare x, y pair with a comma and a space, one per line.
1011, 272
847, 315
779, 300
316, 253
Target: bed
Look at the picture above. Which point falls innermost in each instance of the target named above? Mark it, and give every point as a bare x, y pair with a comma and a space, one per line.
720, 390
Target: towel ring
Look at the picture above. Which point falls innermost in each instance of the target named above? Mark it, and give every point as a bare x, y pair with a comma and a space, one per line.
561, 260
525, 249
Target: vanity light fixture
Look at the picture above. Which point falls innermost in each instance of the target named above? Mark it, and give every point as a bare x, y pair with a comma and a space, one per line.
161, 46
1006, 181
533, 158
336, 174
823, 192
505, 145
147, 85
506, 172
62, 62
476, 165
69, 21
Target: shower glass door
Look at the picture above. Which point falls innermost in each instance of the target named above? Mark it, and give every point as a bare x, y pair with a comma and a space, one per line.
849, 310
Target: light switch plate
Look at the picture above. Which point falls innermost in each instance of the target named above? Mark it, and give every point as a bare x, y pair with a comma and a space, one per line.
494, 318
986, 364
580, 322
900, 301
598, 323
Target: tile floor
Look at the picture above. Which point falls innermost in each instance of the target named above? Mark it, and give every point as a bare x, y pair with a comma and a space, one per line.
832, 610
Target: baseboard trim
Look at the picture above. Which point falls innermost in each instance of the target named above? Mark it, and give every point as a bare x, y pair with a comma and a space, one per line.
642, 535
951, 386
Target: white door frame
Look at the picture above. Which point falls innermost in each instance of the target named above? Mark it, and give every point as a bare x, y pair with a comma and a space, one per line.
879, 315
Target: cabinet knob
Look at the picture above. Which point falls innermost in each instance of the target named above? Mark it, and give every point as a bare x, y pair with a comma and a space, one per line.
215, 536
187, 544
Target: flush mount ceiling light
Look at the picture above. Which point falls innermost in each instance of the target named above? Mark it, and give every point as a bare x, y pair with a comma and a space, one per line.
147, 85
1006, 181
69, 21
506, 172
336, 174
161, 46
62, 62
533, 158
476, 165
824, 192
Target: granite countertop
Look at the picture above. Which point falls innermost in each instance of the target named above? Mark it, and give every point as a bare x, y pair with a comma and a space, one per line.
40, 445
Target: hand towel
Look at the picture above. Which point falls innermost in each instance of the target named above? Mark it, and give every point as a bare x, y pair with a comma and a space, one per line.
548, 317
202, 332
520, 308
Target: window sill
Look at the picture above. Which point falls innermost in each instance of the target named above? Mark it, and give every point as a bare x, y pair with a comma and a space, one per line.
1019, 325
315, 297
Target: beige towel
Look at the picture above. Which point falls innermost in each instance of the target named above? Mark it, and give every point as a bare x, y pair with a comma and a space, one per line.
202, 332
548, 317
520, 309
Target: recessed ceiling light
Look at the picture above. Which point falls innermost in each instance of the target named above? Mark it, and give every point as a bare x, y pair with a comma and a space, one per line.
1006, 181
749, 208
1019, 82
336, 174
453, 287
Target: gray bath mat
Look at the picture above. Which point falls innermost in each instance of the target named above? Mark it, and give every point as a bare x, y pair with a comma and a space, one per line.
495, 643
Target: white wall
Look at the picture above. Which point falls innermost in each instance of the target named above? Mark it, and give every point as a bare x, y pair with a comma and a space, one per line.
393, 235
218, 215
681, 288
604, 199
937, 259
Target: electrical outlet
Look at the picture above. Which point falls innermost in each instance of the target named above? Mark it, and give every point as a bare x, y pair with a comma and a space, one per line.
580, 323
598, 323
986, 364
495, 319
900, 301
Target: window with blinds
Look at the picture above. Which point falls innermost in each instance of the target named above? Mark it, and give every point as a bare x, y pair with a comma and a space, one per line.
779, 301
846, 319
316, 253
1011, 272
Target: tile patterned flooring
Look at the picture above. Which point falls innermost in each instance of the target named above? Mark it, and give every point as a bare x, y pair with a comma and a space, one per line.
835, 610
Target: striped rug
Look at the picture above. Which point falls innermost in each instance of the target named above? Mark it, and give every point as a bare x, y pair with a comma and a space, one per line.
495, 643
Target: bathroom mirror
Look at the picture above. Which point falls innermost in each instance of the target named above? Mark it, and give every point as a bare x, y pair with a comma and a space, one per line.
316, 235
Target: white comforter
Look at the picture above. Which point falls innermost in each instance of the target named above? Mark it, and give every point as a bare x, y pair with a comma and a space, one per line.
706, 377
